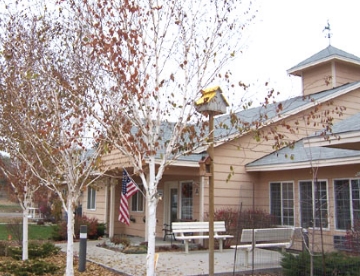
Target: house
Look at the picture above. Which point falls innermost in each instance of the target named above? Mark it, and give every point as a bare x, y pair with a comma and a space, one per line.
290, 165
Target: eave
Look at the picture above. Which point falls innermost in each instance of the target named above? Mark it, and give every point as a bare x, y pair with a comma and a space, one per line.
338, 139
178, 163
305, 165
289, 113
297, 70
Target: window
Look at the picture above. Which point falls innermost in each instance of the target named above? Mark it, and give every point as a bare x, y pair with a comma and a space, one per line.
137, 200
186, 200
282, 202
91, 198
347, 202
313, 203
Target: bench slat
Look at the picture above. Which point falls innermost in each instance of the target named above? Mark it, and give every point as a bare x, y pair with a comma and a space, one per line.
201, 227
267, 234
264, 238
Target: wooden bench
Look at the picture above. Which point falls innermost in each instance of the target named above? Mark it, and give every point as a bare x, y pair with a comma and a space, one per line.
188, 231
264, 238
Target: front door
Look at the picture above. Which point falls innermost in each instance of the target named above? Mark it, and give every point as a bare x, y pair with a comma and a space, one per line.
171, 201
180, 202
186, 199
173, 204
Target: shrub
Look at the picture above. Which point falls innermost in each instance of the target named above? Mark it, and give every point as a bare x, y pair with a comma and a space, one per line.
100, 229
353, 238
36, 250
4, 248
59, 232
121, 240
94, 228
335, 264
29, 267
235, 221
255, 218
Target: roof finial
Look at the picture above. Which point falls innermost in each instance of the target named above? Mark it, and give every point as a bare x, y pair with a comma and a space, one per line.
327, 29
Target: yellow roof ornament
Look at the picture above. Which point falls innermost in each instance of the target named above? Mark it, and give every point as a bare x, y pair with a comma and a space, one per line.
212, 100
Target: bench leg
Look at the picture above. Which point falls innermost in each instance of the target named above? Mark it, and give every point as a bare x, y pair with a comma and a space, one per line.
186, 242
221, 245
246, 259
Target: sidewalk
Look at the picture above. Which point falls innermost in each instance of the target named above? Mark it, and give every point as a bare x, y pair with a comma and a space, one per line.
174, 263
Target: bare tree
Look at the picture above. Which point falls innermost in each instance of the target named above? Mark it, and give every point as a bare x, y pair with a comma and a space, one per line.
24, 186
45, 81
157, 56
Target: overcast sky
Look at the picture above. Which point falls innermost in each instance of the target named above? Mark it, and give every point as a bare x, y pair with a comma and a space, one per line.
288, 31
285, 32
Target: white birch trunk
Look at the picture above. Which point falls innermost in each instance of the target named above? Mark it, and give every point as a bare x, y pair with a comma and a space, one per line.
70, 238
151, 205
25, 238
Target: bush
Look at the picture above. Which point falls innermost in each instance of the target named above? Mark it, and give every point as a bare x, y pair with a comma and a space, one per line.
36, 250
235, 221
29, 267
335, 264
4, 245
94, 228
59, 232
353, 238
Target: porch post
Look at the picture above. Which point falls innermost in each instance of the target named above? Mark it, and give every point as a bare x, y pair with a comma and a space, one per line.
112, 209
201, 201
146, 212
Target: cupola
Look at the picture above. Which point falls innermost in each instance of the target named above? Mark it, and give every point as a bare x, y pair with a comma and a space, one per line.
327, 69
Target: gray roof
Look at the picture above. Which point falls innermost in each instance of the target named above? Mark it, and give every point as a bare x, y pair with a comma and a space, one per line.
269, 112
349, 124
223, 128
299, 153
326, 54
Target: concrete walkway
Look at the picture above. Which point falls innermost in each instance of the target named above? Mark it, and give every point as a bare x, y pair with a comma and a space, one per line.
176, 263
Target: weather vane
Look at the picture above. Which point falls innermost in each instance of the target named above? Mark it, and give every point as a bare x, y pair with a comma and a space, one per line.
327, 29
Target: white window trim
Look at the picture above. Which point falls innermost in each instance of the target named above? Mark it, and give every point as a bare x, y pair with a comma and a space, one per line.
313, 201
281, 189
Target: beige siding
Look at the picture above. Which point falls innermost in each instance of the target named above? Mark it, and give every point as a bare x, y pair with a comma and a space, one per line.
346, 73
100, 203
328, 174
314, 79
249, 189
115, 160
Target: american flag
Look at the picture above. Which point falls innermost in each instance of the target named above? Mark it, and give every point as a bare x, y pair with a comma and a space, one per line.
129, 188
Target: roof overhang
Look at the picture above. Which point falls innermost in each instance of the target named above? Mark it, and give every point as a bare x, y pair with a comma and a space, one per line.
298, 69
337, 139
178, 163
305, 165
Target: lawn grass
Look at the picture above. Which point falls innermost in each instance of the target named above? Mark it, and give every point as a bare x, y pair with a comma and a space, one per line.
36, 232
10, 208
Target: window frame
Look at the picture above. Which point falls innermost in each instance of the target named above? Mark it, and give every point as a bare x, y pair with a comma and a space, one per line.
91, 198
138, 200
313, 204
350, 209
282, 200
